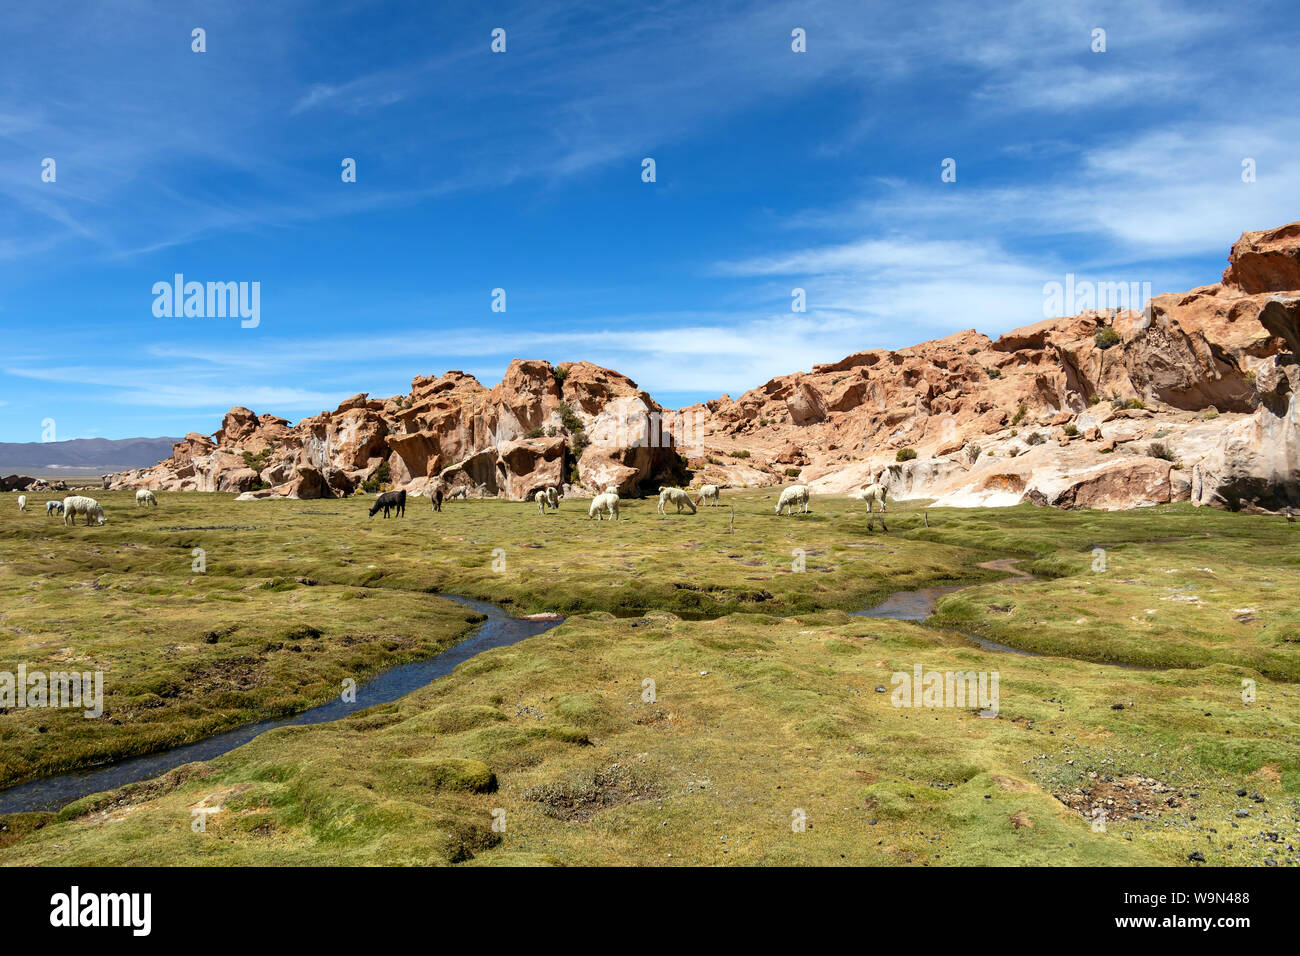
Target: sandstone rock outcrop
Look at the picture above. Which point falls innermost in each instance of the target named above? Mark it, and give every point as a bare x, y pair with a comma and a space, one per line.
1132, 483
1056, 411
1265, 261
540, 426
1191, 398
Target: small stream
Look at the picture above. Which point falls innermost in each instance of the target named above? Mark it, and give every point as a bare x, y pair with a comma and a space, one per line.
499, 630
919, 604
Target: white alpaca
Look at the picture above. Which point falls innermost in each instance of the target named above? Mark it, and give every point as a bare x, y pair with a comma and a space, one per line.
675, 496
145, 497
710, 494
546, 497
75, 505
462, 492
53, 508
791, 497
22, 502
606, 503
872, 494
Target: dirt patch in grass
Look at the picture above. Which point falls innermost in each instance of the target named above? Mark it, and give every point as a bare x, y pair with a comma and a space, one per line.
232, 674
578, 800
653, 717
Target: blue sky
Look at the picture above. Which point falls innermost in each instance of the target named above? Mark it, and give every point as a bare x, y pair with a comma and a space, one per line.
522, 171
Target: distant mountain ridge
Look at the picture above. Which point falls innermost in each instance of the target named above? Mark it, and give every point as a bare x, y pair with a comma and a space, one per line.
84, 453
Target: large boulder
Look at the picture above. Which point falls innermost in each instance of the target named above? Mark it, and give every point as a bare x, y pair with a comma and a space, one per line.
513, 469
308, 482
806, 405
1128, 483
415, 454
1265, 261
600, 470
1257, 460
241, 429
237, 480
478, 472
525, 399
531, 465
16, 483
1192, 353
633, 446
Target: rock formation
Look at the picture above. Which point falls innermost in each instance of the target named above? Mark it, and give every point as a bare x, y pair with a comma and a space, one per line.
576, 425
1191, 399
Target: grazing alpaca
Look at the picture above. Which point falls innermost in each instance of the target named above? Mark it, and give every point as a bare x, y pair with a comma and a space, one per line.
607, 503
546, 497
462, 492
677, 497
390, 499
53, 508
792, 496
436, 498
873, 494
710, 494
22, 502
75, 505
144, 497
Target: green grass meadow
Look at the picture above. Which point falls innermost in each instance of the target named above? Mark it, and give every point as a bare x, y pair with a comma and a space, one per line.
707, 701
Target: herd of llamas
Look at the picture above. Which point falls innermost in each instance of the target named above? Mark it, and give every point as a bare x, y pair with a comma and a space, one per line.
605, 504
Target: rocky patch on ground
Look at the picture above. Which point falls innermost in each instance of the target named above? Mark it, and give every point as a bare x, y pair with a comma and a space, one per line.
1127, 797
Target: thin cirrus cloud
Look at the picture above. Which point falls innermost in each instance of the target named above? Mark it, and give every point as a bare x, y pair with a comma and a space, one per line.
175, 387
1168, 192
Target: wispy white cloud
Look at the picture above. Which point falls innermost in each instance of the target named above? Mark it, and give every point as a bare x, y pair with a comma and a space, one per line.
175, 388
1165, 192
599, 86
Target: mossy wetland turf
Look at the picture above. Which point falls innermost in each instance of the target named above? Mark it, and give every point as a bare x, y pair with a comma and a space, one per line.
703, 697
